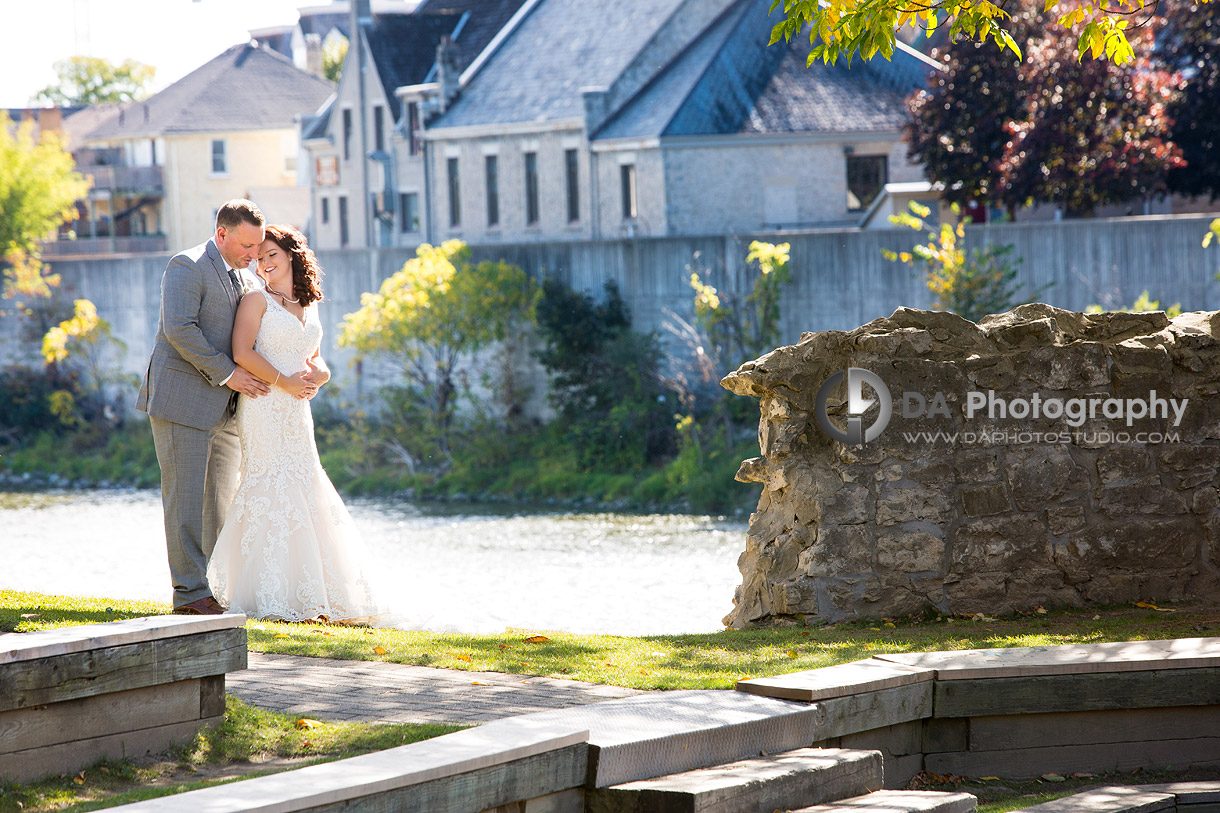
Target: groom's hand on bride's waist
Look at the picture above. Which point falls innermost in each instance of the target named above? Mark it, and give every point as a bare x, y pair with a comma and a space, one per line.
247, 383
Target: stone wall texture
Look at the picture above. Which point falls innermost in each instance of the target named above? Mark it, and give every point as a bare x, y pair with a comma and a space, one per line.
996, 514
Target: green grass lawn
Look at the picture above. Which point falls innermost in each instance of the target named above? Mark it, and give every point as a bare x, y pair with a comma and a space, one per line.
706, 661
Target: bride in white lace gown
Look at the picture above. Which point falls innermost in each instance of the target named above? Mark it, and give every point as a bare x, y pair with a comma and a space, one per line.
289, 549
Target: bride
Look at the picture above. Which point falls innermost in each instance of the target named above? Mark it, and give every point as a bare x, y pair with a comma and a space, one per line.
288, 550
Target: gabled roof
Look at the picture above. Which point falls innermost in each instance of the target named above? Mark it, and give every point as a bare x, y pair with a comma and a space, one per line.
537, 73
245, 88
403, 47
483, 20
730, 80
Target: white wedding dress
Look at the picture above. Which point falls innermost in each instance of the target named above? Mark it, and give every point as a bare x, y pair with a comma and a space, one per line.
289, 549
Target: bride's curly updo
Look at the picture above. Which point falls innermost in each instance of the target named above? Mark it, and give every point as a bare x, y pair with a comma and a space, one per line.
306, 273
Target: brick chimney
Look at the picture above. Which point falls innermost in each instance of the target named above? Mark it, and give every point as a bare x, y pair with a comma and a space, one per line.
313, 54
448, 72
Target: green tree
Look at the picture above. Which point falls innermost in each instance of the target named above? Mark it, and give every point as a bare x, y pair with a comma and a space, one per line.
334, 51
971, 284
869, 27
604, 378
85, 81
741, 328
431, 317
39, 186
86, 349
1143, 304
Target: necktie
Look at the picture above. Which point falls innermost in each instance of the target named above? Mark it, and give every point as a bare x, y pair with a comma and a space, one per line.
233, 278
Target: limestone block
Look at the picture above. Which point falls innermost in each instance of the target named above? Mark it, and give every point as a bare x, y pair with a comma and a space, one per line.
913, 504
985, 500
910, 551
1039, 474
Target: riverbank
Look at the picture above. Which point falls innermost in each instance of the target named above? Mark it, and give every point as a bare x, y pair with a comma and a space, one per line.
532, 470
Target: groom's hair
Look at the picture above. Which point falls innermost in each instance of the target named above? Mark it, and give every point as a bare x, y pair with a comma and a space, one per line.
239, 211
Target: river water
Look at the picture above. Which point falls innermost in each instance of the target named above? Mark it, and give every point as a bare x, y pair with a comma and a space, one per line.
468, 569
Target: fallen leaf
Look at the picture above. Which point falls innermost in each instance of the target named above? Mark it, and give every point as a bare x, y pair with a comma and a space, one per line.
1165, 610
989, 778
322, 632
307, 724
1040, 610
281, 635
612, 666
478, 683
1146, 605
79, 778
1053, 777
306, 744
1082, 775
875, 629
890, 624
537, 639
791, 653
465, 658
380, 650
31, 615
1097, 618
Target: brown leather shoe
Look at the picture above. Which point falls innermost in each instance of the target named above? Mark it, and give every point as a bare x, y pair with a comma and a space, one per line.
204, 606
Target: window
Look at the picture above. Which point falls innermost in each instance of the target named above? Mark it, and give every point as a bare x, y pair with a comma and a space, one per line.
219, 166
573, 175
531, 188
491, 170
325, 210
379, 128
455, 193
408, 206
413, 128
347, 134
866, 175
343, 234
627, 179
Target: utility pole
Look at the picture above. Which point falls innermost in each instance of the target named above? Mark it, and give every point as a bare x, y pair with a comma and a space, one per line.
360, 11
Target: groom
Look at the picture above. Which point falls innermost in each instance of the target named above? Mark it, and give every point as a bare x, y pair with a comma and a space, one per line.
190, 392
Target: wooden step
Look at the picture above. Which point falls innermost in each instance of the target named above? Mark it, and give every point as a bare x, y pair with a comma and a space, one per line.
761, 785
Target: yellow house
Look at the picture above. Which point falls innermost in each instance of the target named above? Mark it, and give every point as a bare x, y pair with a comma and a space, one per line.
227, 130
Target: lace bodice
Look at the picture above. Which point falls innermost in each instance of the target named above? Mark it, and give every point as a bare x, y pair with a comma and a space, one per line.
277, 429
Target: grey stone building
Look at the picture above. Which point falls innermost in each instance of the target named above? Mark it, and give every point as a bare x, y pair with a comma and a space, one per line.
587, 120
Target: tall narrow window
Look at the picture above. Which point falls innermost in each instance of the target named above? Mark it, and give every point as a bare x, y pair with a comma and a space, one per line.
347, 134
325, 210
866, 175
573, 175
491, 170
409, 211
455, 193
343, 232
379, 128
219, 165
413, 128
531, 188
627, 178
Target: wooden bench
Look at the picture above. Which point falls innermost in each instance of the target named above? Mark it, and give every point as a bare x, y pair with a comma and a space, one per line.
75, 695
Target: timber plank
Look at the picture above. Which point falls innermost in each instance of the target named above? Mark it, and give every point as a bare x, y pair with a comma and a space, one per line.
1078, 692
1108, 800
99, 716
84, 637
212, 696
70, 757
811, 685
81, 674
1087, 727
840, 716
1028, 763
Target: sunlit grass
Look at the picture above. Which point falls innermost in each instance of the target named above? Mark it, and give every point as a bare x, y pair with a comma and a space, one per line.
701, 661
248, 742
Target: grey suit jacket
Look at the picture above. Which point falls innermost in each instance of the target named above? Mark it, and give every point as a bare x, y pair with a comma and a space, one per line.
193, 352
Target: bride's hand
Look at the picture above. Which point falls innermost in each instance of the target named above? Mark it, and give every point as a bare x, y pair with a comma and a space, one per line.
296, 386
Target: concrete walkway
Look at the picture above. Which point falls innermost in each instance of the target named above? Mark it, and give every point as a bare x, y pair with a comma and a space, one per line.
379, 692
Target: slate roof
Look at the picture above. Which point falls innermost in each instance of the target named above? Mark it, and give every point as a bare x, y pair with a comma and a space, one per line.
484, 20
245, 88
729, 80
404, 48
562, 46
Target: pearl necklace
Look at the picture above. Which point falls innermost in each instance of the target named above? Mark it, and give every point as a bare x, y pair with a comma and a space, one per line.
281, 296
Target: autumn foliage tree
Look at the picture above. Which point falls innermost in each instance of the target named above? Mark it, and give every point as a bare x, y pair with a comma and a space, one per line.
86, 81
1050, 129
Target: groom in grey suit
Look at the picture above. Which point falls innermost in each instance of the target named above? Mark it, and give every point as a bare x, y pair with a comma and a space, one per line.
190, 393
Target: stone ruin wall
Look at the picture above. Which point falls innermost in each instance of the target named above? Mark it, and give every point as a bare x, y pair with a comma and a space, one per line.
902, 525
